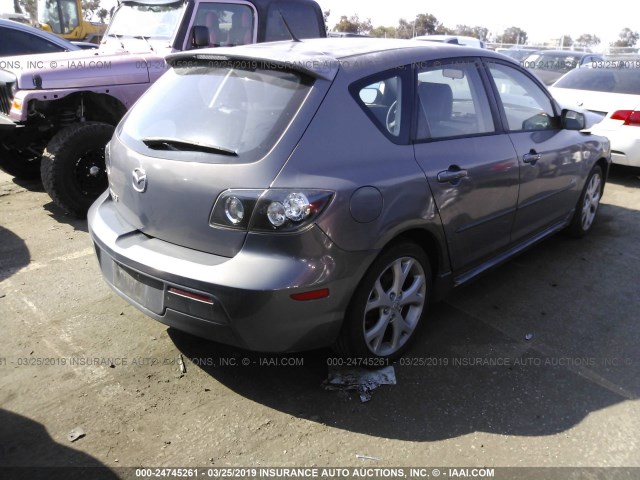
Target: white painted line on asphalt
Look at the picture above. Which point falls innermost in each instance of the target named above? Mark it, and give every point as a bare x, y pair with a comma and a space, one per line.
70, 256
90, 376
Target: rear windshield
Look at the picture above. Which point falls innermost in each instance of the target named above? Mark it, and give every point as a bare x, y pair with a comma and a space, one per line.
603, 80
241, 112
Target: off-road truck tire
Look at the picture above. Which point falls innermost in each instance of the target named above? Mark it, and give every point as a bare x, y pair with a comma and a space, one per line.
73, 167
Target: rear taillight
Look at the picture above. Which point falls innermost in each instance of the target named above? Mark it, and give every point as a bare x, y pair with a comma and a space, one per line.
277, 210
629, 117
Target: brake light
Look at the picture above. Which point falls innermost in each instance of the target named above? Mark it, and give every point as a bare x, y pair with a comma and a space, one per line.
312, 295
191, 295
629, 117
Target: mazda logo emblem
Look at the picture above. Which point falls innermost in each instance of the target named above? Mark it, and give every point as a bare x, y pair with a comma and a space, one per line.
139, 180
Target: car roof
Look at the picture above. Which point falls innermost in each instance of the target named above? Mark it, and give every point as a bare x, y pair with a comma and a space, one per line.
321, 57
61, 42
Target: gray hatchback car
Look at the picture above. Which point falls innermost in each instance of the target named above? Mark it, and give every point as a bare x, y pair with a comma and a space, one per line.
294, 195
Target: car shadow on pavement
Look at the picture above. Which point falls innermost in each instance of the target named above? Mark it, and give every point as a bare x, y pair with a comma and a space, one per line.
14, 253
33, 184
461, 376
28, 452
531, 350
623, 175
434, 399
61, 216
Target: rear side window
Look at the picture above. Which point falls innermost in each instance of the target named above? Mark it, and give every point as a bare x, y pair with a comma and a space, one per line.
302, 18
452, 102
382, 101
228, 24
239, 112
526, 106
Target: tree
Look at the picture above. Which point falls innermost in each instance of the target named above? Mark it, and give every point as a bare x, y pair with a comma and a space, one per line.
383, 32
481, 33
566, 41
31, 7
102, 14
326, 15
89, 7
404, 29
442, 30
513, 35
423, 24
587, 40
465, 30
426, 24
353, 24
627, 38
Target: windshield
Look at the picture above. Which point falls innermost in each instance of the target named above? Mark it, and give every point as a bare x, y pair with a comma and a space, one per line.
626, 80
151, 21
216, 109
60, 15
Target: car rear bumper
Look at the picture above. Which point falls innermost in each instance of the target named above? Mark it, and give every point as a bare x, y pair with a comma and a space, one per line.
243, 301
625, 144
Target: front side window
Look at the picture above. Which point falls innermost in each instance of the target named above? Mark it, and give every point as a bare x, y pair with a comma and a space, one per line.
216, 108
382, 100
526, 106
452, 102
228, 23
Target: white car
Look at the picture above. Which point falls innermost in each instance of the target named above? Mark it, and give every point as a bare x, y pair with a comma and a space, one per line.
613, 93
454, 39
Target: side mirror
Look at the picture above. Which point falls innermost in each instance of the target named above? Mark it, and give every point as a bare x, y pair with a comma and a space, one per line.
573, 120
199, 36
541, 121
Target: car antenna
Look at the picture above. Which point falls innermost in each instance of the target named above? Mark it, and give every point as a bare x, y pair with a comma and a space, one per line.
293, 37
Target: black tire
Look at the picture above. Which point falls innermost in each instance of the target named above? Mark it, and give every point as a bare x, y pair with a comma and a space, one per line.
385, 308
73, 169
588, 203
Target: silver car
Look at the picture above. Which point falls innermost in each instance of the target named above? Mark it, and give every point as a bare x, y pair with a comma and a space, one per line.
294, 195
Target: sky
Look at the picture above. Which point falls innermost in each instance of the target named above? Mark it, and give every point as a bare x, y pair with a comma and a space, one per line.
541, 19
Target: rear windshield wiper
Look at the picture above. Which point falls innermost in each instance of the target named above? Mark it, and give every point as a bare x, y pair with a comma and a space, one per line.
174, 144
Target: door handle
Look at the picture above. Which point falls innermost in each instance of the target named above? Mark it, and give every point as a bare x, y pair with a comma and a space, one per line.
450, 176
532, 157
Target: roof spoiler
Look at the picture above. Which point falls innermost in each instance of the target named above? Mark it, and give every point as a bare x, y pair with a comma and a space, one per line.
323, 68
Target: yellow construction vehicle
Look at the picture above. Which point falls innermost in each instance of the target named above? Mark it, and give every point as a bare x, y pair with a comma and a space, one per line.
65, 19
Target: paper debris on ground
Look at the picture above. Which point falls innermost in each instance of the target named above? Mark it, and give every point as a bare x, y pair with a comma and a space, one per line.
362, 380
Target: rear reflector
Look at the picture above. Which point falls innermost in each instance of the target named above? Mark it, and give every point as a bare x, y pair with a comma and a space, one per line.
629, 117
191, 296
312, 295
